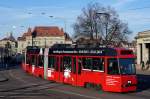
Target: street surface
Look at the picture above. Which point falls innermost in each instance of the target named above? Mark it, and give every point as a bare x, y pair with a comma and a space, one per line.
21, 85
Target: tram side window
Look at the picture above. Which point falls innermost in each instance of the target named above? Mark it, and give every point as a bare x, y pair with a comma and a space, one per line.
74, 65
28, 59
79, 65
113, 66
33, 60
56, 63
98, 64
40, 60
67, 63
51, 62
87, 63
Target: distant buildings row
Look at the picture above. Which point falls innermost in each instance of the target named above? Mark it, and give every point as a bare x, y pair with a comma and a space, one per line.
9, 43
46, 36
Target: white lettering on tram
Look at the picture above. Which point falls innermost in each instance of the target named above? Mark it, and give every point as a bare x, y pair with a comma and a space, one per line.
33, 68
49, 73
80, 51
67, 73
111, 80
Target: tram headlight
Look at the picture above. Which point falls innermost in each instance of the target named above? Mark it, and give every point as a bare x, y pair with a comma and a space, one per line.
129, 83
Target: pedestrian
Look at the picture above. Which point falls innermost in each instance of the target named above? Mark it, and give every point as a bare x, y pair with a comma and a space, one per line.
147, 64
142, 65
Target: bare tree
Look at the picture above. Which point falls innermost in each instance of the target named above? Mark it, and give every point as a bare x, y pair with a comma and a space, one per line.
101, 24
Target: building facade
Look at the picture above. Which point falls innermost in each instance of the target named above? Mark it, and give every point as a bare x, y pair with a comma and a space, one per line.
9, 43
45, 36
143, 47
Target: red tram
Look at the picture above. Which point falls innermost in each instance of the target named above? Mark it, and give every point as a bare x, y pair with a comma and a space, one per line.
109, 69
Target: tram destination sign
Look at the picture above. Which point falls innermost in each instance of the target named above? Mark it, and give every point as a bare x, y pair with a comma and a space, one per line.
83, 51
79, 51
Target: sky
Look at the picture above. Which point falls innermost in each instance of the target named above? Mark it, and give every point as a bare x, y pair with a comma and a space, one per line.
17, 15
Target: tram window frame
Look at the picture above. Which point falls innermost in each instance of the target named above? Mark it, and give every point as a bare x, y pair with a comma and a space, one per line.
33, 60
51, 59
87, 64
100, 64
28, 60
113, 71
61, 64
40, 60
79, 65
74, 66
67, 63
56, 63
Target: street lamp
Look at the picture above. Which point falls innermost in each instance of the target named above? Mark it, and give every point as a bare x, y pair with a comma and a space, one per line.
61, 19
107, 15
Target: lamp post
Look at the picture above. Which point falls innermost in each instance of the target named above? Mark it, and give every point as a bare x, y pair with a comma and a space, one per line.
61, 18
107, 16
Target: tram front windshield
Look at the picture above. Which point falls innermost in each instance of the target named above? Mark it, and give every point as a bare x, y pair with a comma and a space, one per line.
121, 66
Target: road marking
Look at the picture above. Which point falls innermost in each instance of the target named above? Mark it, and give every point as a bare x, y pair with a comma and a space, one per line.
73, 93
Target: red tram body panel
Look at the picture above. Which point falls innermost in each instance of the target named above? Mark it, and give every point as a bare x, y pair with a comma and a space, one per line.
109, 69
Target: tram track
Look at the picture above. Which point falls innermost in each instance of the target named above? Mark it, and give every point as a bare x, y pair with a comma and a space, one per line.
27, 86
36, 89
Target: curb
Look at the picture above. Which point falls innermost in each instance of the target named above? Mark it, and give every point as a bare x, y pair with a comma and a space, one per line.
4, 79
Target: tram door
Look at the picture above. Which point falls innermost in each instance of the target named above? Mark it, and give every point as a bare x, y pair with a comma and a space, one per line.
112, 77
53, 68
67, 70
74, 71
32, 64
56, 72
79, 81
28, 62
